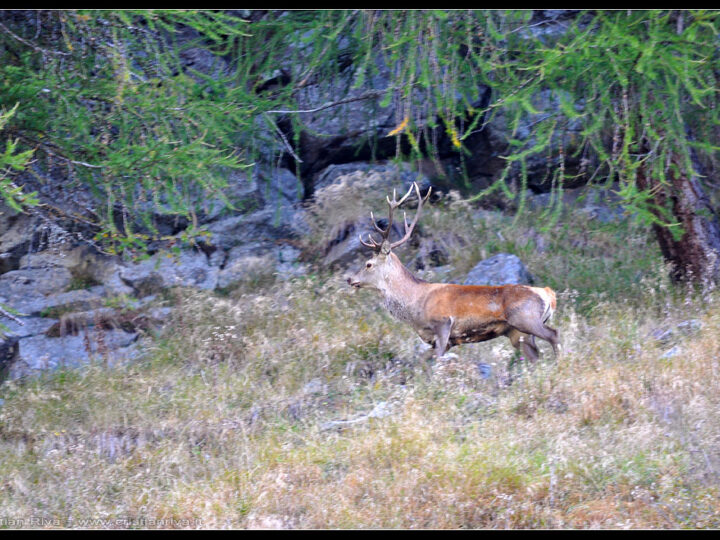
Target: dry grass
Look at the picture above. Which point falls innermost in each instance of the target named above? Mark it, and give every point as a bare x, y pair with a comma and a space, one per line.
235, 417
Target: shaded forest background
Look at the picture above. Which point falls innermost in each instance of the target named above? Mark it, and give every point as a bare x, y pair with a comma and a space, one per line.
135, 112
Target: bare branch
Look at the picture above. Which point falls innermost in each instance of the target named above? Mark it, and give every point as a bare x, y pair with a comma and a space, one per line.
30, 43
9, 315
282, 136
367, 95
52, 151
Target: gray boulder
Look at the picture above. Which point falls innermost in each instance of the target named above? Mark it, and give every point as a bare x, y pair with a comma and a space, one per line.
242, 193
246, 263
341, 209
35, 281
588, 203
163, 270
251, 262
288, 263
501, 269
279, 186
276, 220
389, 175
40, 353
25, 290
17, 233
501, 137
31, 326
54, 305
341, 133
346, 247
86, 265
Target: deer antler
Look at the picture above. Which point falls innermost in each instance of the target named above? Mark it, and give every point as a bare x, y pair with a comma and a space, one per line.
385, 246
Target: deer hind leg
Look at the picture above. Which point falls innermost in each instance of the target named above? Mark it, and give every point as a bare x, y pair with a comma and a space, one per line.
529, 321
524, 343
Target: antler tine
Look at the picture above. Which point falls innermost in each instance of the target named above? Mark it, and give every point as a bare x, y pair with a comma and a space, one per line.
373, 245
395, 203
377, 227
409, 230
392, 205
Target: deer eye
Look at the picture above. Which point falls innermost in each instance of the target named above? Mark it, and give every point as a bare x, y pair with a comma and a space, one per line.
368, 265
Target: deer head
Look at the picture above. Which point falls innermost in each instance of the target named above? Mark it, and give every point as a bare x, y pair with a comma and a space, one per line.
379, 269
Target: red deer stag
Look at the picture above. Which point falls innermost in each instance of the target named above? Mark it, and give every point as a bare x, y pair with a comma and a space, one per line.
445, 315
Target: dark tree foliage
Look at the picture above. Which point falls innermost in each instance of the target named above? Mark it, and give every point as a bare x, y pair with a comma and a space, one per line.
150, 109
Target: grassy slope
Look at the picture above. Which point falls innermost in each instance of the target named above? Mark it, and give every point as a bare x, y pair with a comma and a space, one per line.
228, 421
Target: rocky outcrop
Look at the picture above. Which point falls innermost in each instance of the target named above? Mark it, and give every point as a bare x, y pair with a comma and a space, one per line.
19, 233
386, 175
61, 296
39, 353
64, 290
500, 269
588, 203
165, 270
253, 262
339, 218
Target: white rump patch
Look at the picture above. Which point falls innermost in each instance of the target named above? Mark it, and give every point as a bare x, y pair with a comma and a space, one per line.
545, 297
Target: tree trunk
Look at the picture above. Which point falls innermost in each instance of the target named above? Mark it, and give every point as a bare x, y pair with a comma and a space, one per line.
696, 255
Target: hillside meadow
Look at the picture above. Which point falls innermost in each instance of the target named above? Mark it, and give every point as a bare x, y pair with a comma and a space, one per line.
300, 403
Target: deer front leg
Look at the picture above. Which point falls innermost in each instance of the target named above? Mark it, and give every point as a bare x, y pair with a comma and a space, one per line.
442, 335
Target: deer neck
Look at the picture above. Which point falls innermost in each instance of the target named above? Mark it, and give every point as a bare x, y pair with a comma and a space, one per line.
403, 293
